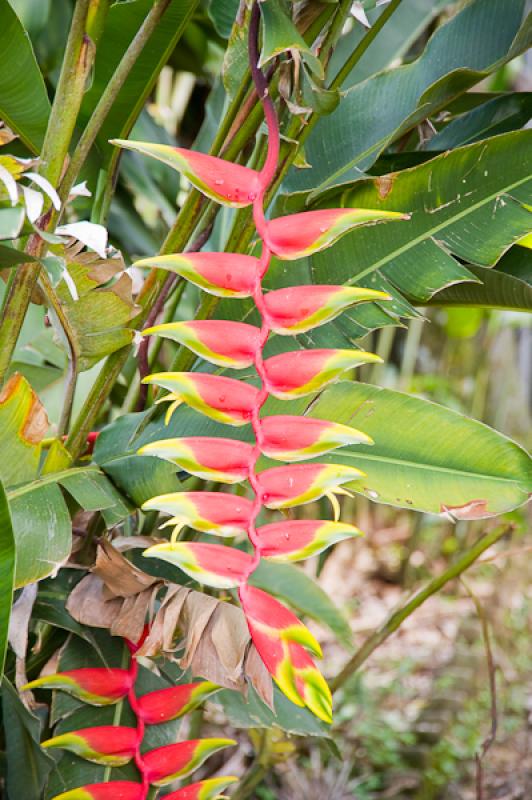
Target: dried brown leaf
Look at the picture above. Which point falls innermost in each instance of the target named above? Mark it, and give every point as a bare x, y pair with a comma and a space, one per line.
121, 578
89, 603
214, 636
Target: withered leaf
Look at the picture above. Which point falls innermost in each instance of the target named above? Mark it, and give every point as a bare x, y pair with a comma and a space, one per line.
121, 578
212, 634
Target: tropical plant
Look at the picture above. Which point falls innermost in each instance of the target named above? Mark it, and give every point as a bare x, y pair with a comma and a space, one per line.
369, 193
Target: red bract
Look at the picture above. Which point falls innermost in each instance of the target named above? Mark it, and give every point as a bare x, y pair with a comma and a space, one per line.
167, 704
224, 460
303, 234
284, 487
165, 764
230, 184
299, 308
293, 540
204, 790
228, 344
97, 686
110, 745
208, 512
296, 438
211, 564
222, 399
303, 372
117, 790
220, 274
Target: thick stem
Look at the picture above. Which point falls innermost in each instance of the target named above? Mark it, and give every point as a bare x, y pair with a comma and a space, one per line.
110, 94
79, 55
396, 619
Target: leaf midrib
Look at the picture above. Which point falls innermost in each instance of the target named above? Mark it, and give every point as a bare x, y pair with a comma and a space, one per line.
429, 234
432, 467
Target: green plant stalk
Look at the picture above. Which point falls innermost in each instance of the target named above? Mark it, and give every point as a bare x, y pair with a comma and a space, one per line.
110, 94
396, 619
79, 55
364, 43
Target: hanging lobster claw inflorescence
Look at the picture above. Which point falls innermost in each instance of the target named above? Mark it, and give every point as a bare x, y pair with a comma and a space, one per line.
281, 640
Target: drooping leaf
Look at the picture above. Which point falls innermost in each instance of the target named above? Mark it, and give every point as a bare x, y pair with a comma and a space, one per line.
427, 457
24, 103
496, 290
252, 713
223, 14
502, 113
410, 19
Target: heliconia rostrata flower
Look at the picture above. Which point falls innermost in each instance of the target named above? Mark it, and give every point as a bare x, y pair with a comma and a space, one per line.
283, 642
280, 639
116, 745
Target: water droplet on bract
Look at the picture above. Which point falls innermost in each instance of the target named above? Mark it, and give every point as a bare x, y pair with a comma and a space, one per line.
323, 229
373, 494
290, 482
219, 181
221, 398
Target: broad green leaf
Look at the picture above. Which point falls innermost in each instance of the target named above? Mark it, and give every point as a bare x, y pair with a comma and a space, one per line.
497, 290
251, 712
281, 35
122, 24
7, 573
28, 765
291, 584
9, 257
41, 520
410, 19
24, 103
139, 478
469, 203
504, 113
223, 14
427, 457
477, 41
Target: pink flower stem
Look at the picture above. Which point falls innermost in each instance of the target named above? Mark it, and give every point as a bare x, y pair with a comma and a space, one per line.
133, 702
267, 175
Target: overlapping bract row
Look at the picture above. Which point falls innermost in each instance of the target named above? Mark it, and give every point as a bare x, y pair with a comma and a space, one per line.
117, 745
283, 642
